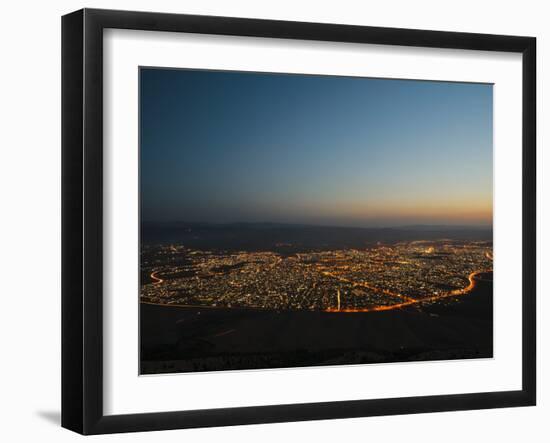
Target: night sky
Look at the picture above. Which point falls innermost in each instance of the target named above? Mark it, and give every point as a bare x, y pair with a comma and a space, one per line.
223, 147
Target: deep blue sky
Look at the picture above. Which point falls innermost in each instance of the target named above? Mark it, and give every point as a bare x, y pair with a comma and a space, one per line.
250, 147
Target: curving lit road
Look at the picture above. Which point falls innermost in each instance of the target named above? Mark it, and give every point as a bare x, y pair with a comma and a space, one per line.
156, 280
411, 301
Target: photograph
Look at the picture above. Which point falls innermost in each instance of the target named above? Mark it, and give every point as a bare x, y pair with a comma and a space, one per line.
297, 220
280, 219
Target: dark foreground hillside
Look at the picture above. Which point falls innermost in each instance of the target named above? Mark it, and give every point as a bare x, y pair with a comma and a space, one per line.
177, 339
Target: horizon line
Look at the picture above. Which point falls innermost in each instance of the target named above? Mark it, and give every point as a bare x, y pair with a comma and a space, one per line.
410, 225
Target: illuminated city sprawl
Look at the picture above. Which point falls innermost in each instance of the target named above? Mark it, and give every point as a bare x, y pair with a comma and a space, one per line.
376, 278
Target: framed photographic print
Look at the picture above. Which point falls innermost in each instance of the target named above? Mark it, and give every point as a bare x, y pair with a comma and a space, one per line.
269, 221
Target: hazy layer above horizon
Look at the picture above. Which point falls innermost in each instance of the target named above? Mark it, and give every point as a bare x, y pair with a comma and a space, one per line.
225, 147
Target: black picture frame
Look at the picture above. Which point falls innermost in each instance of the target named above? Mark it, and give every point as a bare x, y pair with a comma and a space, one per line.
82, 218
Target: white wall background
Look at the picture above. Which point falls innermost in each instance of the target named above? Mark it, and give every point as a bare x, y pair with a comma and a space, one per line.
30, 217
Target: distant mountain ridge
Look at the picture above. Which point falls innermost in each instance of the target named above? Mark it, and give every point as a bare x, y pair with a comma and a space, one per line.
271, 225
296, 238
